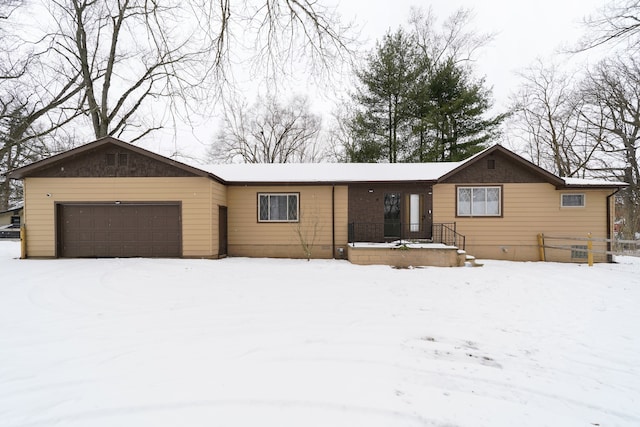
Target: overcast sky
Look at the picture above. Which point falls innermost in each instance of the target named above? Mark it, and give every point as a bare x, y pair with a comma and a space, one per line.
524, 31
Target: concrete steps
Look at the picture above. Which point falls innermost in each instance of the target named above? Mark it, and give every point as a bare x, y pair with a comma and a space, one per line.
471, 261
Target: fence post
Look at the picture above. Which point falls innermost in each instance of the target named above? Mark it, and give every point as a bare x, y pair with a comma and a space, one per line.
541, 246
23, 242
589, 250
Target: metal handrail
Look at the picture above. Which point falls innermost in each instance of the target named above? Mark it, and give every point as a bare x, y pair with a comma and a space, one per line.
444, 233
448, 235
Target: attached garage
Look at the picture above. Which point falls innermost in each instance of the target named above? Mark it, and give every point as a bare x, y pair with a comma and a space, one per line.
119, 230
112, 199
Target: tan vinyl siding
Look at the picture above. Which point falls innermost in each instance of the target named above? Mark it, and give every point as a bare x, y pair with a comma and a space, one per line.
197, 196
218, 198
248, 237
527, 209
341, 217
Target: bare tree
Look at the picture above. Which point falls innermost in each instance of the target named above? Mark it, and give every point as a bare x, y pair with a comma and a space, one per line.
132, 52
307, 230
453, 41
613, 88
132, 66
548, 121
26, 124
268, 132
35, 103
14, 60
617, 22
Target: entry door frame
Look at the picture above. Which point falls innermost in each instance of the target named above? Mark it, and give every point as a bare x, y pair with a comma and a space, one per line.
223, 235
397, 214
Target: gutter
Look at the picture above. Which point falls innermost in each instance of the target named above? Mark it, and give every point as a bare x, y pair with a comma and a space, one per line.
609, 226
333, 221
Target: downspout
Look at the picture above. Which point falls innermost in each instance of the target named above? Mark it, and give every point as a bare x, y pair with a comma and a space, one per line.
333, 221
609, 226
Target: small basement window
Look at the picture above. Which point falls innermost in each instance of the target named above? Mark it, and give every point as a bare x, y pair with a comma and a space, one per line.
573, 200
278, 207
578, 251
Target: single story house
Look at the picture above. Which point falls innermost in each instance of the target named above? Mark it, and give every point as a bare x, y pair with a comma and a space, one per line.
109, 198
10, 220
12, 216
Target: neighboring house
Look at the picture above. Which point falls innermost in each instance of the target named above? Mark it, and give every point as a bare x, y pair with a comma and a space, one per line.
10, 221
112, 199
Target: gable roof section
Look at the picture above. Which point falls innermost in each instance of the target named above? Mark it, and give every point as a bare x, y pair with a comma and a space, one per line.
541, 173
41, 165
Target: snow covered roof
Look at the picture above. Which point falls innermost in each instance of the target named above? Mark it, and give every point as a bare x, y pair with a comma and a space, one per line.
330, 172
326, 173
14, 207
361, 172
592, 182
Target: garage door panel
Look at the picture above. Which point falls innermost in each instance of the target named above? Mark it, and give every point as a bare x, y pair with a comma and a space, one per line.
119, 230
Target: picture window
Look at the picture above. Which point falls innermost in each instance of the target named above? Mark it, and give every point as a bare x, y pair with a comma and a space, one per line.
479, 201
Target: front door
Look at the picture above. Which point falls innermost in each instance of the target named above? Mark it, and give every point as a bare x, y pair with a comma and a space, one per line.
392, 218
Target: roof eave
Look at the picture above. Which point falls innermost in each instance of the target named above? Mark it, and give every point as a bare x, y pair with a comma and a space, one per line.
328, 182
616, 185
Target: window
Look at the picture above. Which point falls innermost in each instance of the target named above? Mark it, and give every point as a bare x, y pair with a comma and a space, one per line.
414, 212
572, 201
111, 159
479, 201
579, 252
278, 207
123, 159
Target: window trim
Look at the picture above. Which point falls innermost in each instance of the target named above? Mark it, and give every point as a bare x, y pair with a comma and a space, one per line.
278, 221
500, 213
584, 200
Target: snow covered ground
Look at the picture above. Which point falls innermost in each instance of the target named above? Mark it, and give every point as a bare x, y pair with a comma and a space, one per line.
263, 342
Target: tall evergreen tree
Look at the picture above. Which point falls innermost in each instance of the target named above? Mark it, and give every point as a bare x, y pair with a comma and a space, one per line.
450, 114
417, 100
382, 124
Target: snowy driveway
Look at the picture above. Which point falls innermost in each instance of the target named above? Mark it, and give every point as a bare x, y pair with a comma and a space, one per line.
256, 342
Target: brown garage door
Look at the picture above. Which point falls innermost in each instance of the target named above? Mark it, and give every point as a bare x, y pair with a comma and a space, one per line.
119, 230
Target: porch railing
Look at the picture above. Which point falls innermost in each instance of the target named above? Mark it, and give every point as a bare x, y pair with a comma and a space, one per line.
444, 233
